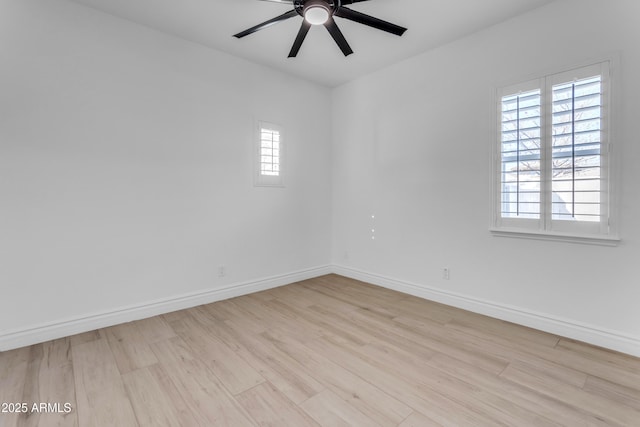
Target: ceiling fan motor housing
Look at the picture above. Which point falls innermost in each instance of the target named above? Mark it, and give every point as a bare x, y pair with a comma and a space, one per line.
302, 6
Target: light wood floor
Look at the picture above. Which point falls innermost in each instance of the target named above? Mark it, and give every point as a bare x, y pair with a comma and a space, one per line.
324, 352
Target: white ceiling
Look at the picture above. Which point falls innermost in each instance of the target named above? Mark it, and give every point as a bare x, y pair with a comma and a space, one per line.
212, 23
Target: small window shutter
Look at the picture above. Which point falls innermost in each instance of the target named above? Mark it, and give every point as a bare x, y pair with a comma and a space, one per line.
269, 156
269, 152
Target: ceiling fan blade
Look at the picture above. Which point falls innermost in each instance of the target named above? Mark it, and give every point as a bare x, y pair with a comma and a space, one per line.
335, 32
287, 1
361, 18
304, 29
266, 24
349, 1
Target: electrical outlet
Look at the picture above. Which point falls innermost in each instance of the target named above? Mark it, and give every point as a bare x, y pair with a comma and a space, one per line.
446, 273
222, 271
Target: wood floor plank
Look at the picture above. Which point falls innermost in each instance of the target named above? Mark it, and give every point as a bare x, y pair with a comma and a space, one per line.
546, 406
368, 333
434, 405
31, 392
561, 355
625, 395
50, 381
100, 394
154, 329
232, 310
296, 317
13, 369
203, 393
530, 354
217, 327
129, 347
176, 399
358, 299
276, 319
356, 292
512, 332
293, 292
364, 287
375, 403
329, 410
422, 375
285, 373
552, 372
153, 407
600, 355
593, 367
605, 409
572, 360
173, 316
262, 295
85, 337
236, 374
13, 375
466, 349
416, 419
270, 408
323, 324
422, 309
408, 333
306, 294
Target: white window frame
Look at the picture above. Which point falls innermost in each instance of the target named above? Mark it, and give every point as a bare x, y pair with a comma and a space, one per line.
266, 180
546, 228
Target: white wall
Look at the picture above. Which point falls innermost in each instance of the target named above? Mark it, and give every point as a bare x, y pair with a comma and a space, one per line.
412, 145
126, 167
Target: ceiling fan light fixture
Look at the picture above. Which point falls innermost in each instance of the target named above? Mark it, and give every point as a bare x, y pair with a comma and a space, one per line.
316, 15
321, 12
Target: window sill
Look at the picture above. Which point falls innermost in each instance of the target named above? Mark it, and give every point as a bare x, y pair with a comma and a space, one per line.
554, 236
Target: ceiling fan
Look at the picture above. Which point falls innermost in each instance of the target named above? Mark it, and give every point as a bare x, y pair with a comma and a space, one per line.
321, 12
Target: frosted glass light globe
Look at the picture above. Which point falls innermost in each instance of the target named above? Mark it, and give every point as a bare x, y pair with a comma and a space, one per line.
316, 15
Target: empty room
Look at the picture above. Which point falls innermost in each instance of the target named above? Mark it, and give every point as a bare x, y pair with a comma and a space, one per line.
220, 213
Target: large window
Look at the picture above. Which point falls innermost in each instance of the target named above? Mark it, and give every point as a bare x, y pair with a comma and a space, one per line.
552, 161
269, 159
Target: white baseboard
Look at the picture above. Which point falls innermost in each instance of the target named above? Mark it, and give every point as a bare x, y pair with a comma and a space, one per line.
63, 328
558, 326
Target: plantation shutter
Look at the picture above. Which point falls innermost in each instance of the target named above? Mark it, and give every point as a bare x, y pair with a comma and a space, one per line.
520, 155
576, 150
269, 152
553, 165
268, 167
